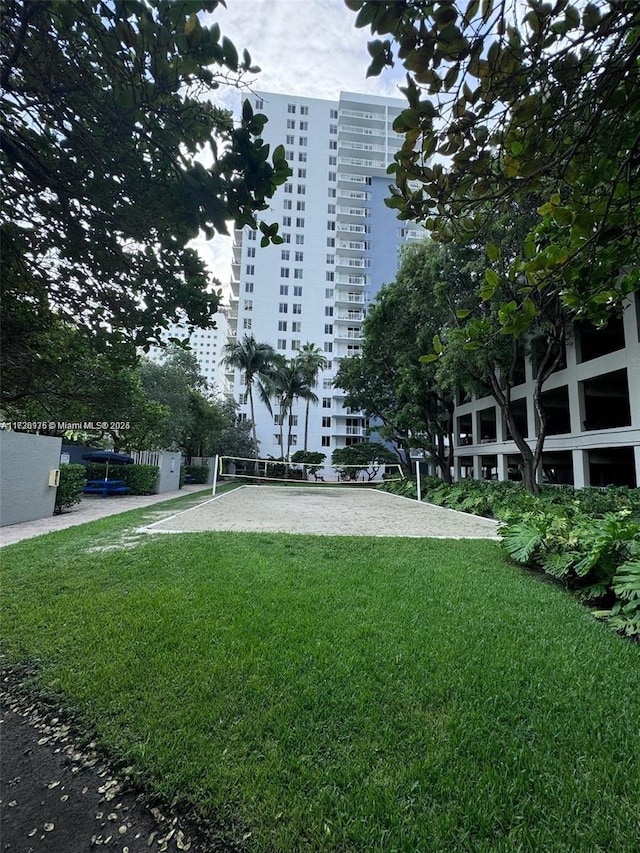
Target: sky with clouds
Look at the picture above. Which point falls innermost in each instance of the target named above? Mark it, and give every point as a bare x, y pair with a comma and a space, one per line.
309, 48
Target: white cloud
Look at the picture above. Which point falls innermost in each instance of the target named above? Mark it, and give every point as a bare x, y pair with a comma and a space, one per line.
309, 48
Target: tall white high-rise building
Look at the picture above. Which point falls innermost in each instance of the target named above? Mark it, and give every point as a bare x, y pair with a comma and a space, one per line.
207, 347
341, 243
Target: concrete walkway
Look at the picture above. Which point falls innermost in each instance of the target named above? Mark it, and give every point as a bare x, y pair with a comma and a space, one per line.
90, 508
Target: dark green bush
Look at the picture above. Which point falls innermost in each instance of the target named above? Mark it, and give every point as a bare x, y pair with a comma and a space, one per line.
196, 473
141, 479
70, 486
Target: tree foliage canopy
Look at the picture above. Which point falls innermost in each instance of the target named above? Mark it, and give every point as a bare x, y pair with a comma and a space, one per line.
105, 108
510, 98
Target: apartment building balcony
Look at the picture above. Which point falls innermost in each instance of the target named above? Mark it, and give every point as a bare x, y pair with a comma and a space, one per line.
367, 118
352, 227
357, 195
349, 335
352, 262
354, 316
363, 162
347, 146
361, 130
352, 210
353, 178
344, 297
355, 245
355, 280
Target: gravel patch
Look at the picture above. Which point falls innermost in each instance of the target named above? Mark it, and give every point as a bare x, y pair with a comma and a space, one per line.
339, 511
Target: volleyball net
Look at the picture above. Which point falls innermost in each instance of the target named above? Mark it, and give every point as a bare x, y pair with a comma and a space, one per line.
250, 470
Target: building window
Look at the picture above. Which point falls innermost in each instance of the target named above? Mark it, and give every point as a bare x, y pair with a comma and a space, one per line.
333, 113
251, 252
303, 141
331, 208
333, 129
287, 204
250, 269
282, 343
295, 344
333, 160
286, 222
332, 192
284, 254
299, 256
288, 188
282, 325
331, 242
326, 402
304, 125
325, 441
330, 277
301, 205
276, 438
302, 173
302, 189
300, 222
300, 239
284, 272
248, 304
304, 111
328, 329
328, 365
328, 293
259, 104
291, 108
290, 140
296, 326
248, 287
283, 308
291, 124
328, 347
252, 234
302, 157
284, 290
288, 154
331, 259
332, 176
326, 422
294, 439
247, 323
297, 273
296, 308
333, 144
328, 310
331, 225
286, 238
242, 398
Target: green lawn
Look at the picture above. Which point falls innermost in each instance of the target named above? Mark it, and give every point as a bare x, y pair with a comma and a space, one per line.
338, 694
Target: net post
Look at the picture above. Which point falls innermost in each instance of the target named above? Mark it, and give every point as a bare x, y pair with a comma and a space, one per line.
418, 485
215, 477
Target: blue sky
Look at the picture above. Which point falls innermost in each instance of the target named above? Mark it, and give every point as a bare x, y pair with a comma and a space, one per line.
309, 48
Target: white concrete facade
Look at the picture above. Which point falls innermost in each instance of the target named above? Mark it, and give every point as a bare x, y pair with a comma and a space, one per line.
341, 244
206, 345
594, 405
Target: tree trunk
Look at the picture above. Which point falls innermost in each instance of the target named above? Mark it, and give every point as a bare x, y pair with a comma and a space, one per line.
256, 467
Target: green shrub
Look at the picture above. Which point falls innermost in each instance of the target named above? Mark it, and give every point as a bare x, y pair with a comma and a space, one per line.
70, 486
196, 473
141, 479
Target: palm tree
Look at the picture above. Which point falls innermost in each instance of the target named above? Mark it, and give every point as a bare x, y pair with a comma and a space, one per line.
287, 384
311, 361
256, 360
